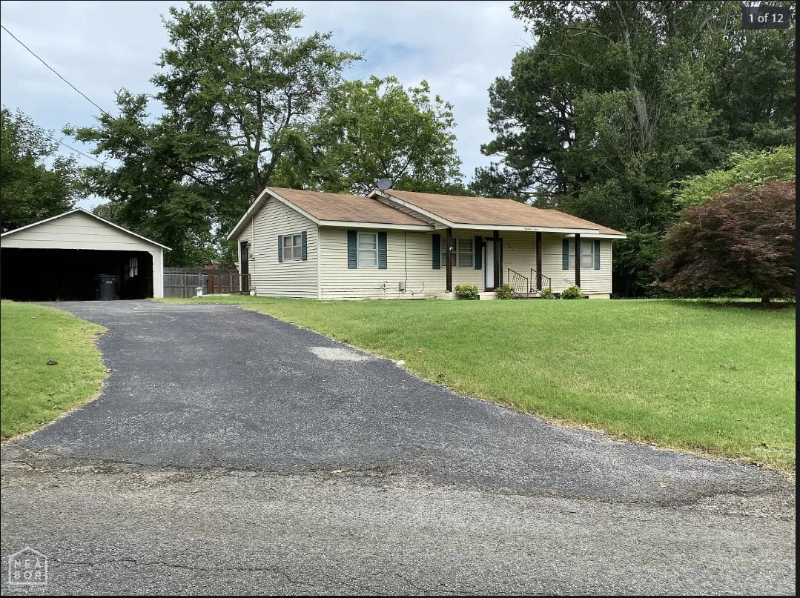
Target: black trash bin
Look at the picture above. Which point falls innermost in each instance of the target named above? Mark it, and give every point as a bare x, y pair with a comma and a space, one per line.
109, 284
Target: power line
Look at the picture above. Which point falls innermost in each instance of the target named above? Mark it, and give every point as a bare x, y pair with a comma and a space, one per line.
40, 59
52, 69
96, 105
78, 151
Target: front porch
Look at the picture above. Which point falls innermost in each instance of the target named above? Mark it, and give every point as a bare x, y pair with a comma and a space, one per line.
530, 261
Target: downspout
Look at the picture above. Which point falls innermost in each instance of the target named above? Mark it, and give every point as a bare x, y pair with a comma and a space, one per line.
319, 263
251, 255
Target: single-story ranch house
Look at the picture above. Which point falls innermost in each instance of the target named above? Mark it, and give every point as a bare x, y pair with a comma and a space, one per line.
399, 244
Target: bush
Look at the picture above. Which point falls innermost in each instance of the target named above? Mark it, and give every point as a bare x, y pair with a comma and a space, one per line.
547, 293
504, 291
467, 291
573, 292
741, 243
750, 169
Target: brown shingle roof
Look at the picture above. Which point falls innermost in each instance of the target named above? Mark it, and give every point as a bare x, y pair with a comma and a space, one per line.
345, 208
488, 211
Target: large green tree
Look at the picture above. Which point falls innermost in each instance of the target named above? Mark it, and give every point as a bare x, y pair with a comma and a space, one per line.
616, 100
378, 129
36, 182
156, 190
242, 89
239, 91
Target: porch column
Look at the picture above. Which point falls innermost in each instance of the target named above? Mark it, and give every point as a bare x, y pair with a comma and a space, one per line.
496, 239
538, 261
577, 259
448, 261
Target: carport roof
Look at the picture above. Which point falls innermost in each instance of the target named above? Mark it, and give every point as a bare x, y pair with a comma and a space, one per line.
125, 230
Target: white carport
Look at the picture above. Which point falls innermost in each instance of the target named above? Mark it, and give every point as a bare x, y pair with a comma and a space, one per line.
61, 258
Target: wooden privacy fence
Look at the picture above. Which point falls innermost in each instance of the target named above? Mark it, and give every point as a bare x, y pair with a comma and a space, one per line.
183, 282
234, 283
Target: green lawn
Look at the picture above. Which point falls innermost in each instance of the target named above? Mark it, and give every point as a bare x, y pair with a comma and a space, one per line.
34, 393
704, 376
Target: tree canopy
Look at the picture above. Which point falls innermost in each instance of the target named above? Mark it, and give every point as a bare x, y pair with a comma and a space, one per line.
750, 168
35, 181
616, 101
239, 91
377, 129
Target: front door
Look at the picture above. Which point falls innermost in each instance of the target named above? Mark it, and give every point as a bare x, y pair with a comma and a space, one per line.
488, 261
244, 266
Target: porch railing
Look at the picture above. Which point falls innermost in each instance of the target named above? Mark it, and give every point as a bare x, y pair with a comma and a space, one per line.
521, 284
546, 282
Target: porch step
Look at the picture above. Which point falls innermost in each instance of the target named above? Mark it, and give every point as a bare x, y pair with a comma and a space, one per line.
534, 295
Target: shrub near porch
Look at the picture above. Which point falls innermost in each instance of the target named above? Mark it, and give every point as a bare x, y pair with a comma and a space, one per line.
696, 375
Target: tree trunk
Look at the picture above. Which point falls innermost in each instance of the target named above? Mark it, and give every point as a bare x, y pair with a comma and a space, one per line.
765, 300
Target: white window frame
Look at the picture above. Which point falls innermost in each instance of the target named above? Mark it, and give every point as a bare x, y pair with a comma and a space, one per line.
457, 251
366, 250
133, 267
587, 254
294, 249
587, 257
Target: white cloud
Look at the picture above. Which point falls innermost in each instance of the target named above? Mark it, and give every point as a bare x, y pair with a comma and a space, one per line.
460, 48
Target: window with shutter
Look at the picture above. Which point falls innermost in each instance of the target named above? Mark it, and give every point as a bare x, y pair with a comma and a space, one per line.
587, 254
292, 247
367, 250
463, 256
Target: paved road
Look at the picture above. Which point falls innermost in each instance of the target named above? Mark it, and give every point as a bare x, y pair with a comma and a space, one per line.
233, 453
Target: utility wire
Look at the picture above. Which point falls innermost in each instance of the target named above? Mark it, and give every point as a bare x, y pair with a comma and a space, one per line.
40, 59
88, 99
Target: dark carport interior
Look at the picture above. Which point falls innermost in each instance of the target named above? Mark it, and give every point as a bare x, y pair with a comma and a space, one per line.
73, 274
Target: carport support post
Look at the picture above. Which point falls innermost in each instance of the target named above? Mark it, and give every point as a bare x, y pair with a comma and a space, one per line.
448, 261
577, 259
496, 239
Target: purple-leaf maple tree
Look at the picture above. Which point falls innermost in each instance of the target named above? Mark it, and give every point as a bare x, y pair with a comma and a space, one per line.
740, 242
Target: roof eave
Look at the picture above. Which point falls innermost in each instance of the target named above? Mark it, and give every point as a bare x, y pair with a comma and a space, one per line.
376, 225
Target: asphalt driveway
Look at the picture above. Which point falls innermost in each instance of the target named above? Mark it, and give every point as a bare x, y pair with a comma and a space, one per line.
231, 437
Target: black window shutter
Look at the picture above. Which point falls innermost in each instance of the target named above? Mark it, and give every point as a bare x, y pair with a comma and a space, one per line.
352, 249
565, 254
382, 251
280, 248
304, 253
597, 255
477, 247
436, 255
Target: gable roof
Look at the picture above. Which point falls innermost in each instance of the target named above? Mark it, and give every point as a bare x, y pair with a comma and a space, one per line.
488, 212
422, 211
87, 213
345, 208
333, 209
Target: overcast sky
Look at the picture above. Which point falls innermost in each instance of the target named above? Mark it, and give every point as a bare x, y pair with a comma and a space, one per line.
100, 47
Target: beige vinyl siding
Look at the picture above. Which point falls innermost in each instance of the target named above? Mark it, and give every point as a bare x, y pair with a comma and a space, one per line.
271, 278
592, 281
76, 231
465, 275
519, 254
408, 258
82, 231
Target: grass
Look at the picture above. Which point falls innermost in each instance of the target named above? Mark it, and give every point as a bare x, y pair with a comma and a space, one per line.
34, 393
699, 375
